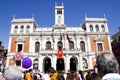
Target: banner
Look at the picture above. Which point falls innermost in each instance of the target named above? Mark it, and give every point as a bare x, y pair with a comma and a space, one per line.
60, 36
60, 54
18, 56
67, 37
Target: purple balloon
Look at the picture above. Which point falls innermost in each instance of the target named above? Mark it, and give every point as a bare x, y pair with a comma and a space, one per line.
26, 62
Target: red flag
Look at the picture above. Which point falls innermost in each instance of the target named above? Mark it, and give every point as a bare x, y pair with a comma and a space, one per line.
18, 56
60, 54
68, 38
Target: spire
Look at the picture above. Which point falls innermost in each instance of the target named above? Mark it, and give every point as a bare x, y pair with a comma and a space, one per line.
62, 4
33, 16
104, 15
55, 3
85, 15
14, 16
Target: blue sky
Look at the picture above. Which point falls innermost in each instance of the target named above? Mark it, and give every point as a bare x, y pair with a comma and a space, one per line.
43, 11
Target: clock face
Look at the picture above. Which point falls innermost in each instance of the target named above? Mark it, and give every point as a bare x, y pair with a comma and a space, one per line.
59, 19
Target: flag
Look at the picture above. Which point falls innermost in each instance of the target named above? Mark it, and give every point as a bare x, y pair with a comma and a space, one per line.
74, 35
53, 38
60, 53
68, 38
60, 36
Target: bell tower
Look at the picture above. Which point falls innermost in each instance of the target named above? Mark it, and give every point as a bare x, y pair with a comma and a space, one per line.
59, 14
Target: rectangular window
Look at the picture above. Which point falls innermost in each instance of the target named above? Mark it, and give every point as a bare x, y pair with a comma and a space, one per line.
19, 47
99, 46
59, 11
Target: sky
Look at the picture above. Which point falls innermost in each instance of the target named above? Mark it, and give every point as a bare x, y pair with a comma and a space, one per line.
43, 10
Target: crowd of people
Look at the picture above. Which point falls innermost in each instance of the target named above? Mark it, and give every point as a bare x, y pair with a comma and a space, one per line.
106, 64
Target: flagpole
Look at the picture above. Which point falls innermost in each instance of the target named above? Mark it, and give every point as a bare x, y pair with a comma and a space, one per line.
60, 36
41, 40
53, 39
75, 40
64, 40
53, 45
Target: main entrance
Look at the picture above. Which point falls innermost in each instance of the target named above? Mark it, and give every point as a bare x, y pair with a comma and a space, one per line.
60, 66
73, 64
47, 64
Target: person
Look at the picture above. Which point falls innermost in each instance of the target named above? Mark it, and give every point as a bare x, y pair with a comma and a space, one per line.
60, 76
108, 68
88, 75
81, 75
13, 73
39, 75
29, 74
1, 76
94, 76
54, 76
64, 74
72, 76
49, 73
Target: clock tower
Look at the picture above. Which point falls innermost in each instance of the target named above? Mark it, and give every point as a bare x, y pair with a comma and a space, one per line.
59, 14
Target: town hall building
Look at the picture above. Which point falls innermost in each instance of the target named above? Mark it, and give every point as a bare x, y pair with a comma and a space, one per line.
60, 46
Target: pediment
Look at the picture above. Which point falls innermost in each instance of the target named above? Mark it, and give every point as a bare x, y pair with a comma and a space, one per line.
20, 39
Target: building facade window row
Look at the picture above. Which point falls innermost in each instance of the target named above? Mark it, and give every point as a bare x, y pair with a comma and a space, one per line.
22, 29
97, 28
59, 46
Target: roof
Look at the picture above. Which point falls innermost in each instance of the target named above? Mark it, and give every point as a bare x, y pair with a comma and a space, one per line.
23, 20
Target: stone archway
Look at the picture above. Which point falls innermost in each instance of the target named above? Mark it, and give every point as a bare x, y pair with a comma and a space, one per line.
60, 66
46, 64
73, 64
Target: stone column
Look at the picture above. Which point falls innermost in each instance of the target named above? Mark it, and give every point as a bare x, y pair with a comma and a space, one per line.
40, 63
80, 62
53, 62
67, 63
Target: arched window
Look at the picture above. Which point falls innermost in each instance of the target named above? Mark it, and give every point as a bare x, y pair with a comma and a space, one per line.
71, 45
97, 28
103, 28
91, 27
60, 45
27, 29
21, 29
16, 28
82, 46
37, 47
48, 45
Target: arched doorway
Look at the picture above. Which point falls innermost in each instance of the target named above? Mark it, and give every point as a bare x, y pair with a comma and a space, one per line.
73, 64
60, 64
47, 64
